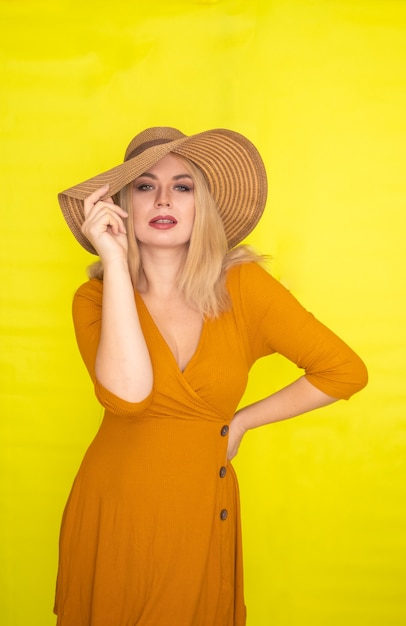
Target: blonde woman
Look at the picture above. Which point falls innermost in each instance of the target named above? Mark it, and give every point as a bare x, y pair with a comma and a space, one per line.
173, 317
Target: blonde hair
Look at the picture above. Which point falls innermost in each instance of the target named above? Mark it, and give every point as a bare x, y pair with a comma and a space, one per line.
202, 280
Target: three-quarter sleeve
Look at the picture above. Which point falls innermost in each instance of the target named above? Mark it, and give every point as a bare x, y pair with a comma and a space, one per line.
277, 322
87, 317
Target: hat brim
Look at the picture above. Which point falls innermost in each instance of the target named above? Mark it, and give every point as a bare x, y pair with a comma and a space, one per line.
231, 164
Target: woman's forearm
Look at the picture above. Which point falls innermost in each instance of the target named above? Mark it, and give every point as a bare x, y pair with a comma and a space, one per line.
297, 398
123, 364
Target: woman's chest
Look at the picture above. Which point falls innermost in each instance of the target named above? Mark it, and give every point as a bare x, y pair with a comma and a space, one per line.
180, 328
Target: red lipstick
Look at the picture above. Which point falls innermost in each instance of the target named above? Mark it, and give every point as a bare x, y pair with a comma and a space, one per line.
163, 222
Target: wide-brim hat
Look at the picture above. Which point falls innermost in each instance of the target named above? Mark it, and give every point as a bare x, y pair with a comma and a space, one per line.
232, 167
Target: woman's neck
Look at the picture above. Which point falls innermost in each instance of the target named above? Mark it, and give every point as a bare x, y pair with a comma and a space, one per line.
159, 272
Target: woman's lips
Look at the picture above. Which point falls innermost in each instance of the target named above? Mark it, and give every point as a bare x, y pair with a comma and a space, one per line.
163, 222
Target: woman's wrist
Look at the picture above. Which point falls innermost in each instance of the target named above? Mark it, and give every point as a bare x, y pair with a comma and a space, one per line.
115, 264
239, 420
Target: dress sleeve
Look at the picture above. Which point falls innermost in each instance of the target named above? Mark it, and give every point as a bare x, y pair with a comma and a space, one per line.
277, 322
87, 316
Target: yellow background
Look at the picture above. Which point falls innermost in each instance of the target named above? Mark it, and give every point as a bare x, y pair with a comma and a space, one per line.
319, 87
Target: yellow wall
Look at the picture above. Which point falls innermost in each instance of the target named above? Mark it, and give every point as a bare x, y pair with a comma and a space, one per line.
319, 87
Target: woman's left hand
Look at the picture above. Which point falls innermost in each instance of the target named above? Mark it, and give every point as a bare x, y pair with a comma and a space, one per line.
235, 435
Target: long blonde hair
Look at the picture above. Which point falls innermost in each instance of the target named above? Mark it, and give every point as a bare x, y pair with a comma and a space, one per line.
202, 280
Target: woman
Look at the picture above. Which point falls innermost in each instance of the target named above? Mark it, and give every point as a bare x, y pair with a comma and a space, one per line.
168, 326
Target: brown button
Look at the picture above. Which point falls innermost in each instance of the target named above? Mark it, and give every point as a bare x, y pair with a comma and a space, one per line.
223, 514
224, 431
223, 471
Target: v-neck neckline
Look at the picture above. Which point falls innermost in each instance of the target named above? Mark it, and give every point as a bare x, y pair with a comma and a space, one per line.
165, 343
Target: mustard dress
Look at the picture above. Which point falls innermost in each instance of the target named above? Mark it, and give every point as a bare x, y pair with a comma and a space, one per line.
151, 531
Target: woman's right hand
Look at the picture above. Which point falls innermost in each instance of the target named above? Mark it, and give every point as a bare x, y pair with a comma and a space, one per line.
104, 225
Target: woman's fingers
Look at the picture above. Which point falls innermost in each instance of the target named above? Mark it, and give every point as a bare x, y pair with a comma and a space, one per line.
100, 196
98, 207
235, 435
104, 221
94, 197
104, 218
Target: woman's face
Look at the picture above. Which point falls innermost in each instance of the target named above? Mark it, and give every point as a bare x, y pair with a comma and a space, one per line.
163, 204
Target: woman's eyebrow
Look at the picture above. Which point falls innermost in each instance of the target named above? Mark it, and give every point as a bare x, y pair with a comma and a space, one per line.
177, 177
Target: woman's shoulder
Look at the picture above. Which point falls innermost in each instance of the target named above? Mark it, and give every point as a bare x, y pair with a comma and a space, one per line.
253, 288
92, 289
251, 275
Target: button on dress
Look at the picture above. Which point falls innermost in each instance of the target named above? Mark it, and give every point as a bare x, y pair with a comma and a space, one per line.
151, 532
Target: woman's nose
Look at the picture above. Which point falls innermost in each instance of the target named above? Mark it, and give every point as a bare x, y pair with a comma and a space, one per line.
163, 198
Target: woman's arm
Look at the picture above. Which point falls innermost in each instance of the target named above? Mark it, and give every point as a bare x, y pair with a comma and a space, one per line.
297, 398
123, 365
276, 322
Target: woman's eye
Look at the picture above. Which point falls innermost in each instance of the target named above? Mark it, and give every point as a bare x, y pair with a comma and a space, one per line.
182, 188
144, 187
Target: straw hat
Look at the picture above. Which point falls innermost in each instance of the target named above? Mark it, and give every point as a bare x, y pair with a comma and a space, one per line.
230, 163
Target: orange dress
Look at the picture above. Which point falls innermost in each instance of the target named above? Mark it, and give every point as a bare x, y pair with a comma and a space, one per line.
151, 531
